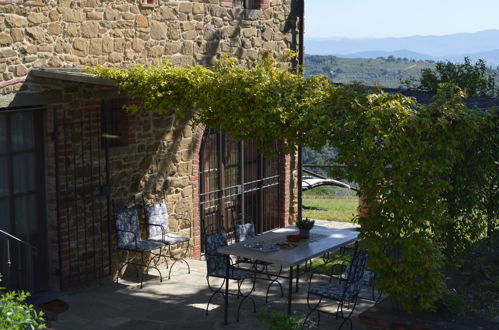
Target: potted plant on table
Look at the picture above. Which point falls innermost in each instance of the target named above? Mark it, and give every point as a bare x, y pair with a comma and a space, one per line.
305, 225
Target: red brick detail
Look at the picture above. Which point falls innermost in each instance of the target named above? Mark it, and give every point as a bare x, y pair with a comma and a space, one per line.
131, 127
11, 82
363, 208
226, 3
285, 191
148, 3
194, 180
35, 3
264, 4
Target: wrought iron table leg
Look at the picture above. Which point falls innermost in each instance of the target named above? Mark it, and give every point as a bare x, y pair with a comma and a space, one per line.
290, 290
297, 276
226, 298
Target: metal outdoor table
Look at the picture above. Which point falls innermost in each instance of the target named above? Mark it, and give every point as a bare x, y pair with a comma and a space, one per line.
322, 239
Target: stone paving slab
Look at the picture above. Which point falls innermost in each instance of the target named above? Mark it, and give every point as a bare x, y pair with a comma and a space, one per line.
178, 303
337, 224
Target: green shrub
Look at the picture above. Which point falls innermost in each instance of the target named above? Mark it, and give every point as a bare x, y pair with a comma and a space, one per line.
16, 314
279, 321
450, 303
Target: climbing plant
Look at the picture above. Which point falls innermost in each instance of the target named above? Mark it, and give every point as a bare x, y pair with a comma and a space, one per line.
407, 158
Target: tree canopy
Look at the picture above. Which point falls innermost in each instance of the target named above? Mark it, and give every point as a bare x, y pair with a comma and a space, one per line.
473, 79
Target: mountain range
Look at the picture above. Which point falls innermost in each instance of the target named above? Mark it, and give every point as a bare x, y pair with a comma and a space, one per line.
453, 47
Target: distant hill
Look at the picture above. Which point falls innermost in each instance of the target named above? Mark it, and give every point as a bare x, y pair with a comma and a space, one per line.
384, 72
398, 53
482, 44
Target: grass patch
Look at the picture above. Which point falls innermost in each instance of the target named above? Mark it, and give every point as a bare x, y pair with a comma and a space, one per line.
330, 191
344, 210
321, 266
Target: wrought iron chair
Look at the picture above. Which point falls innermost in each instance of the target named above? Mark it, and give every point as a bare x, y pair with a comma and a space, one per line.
245, 229
158, 230
128, 235
216, 264
344, 292
341, 268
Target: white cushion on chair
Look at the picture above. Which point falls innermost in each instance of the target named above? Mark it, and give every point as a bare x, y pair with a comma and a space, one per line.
169, 239
157, 215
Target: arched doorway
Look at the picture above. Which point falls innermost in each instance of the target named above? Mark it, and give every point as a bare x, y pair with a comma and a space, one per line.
235, 179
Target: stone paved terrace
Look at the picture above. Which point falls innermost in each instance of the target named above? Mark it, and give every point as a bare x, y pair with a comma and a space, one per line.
178, 303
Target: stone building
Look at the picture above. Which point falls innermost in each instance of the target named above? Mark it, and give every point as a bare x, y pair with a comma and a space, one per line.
68, 152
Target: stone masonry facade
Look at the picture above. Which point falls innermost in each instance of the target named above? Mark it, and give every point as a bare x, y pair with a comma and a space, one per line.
161, 152
63, 33
155, 158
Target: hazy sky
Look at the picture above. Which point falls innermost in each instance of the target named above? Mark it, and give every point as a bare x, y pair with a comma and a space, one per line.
397, 18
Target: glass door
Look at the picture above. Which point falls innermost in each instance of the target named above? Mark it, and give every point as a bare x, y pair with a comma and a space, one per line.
236, 179
22, 207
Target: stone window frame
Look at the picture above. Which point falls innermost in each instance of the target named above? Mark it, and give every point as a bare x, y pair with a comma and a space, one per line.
251, 4
148, 3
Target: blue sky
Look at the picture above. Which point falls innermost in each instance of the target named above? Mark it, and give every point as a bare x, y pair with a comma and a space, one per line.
398, 18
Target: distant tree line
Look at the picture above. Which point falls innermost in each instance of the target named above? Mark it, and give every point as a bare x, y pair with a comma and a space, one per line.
473, 79
395, 72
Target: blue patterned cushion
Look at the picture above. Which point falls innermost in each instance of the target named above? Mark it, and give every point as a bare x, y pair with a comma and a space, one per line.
367, 277
349, 288
329, 290
216, 262
127, 225
146, 246
356, 274
234, 273
157, 215
170, 239
244, 231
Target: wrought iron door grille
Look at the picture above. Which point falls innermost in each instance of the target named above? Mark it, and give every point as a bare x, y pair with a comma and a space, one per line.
235, 179
83, 196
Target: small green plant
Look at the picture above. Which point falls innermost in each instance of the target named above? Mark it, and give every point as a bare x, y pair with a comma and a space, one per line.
15, 314
279, 321
305, 223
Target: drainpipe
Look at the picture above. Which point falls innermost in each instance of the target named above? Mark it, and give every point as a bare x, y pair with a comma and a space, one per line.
301, 50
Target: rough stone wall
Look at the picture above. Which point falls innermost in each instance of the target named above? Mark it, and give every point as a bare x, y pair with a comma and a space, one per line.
63, 33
